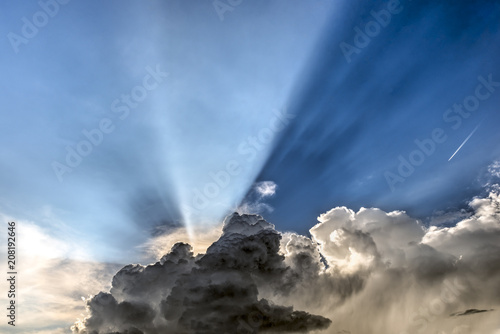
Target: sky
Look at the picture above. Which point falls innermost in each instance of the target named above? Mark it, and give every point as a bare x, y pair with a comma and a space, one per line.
355, 119
217, 82
128, 126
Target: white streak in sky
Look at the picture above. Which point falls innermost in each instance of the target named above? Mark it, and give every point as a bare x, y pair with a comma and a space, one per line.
466, 139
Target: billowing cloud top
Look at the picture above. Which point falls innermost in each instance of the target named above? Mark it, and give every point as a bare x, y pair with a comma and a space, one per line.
212, 293
360, 272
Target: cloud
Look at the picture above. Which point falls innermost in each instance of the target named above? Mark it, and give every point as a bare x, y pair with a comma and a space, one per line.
494, 169
469, 312
366, 235
471, 235
412, 276
490, 176
60, 330
266, 188
368, 271
253, 201
211, 293
452, 217
53, 275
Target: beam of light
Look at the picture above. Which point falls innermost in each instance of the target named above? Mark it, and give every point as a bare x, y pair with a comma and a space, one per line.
466, 139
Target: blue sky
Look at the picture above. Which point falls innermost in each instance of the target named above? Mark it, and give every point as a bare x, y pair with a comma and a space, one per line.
223, 82
355, 119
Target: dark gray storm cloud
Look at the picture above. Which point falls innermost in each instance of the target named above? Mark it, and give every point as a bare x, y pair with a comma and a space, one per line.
217, 292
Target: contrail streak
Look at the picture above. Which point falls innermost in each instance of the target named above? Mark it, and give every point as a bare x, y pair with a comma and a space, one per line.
466, 139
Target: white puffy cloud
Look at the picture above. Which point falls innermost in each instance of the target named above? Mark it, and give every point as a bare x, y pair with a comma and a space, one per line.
469, 236
266, 188
422, 275
359, 238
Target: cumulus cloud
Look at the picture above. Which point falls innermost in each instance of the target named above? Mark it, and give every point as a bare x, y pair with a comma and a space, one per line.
216, 292
449, 217
368, 271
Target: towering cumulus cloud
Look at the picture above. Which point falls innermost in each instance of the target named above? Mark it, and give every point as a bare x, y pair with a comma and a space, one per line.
217, 292
360, 272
